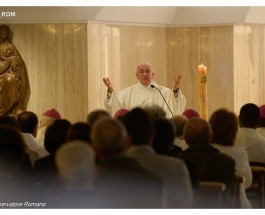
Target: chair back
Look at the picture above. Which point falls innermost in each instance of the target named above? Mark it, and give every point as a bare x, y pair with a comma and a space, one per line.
256, 192
209, 194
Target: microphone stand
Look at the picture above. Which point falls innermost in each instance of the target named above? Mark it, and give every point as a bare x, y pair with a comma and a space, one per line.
153, 86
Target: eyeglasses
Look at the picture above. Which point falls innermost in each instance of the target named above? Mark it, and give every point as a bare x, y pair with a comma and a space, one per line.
142, 72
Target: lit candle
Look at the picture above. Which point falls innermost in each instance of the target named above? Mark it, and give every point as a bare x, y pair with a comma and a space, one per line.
203, 101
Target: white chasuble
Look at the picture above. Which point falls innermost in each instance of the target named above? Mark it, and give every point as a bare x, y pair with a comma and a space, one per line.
139, 95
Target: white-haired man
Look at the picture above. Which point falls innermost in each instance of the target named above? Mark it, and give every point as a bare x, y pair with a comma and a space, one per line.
146, 92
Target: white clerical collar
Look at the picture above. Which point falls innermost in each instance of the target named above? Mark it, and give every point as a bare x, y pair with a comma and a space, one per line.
149, 86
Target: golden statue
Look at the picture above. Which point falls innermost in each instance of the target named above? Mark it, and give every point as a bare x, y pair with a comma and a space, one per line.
14, 82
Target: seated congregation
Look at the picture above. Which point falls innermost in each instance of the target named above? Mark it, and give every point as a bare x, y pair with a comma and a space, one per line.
135, 159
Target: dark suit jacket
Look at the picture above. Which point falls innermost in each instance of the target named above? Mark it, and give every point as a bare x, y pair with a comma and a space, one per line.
123, 183
211, 165
45, 171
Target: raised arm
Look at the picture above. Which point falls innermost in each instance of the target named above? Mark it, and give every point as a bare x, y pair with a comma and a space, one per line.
177, 83
108, 84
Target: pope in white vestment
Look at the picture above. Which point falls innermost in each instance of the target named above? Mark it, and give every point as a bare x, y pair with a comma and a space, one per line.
142, 94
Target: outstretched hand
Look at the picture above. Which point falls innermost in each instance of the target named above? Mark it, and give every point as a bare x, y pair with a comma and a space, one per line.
108, 84
177, 82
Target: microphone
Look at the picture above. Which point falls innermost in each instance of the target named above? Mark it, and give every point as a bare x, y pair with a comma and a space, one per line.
153, 86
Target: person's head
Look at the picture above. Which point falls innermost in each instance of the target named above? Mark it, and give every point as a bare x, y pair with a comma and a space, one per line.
109, 137
154, 111
249, 116
179, 122
28, 122
96, 114
120, 113
191, 113
79, 131
55, 135
144, 73
262, 115
224, 125
12, 149
48, 117
75, 161
164, 135
4, 33
197, 131
139, 126
9, 121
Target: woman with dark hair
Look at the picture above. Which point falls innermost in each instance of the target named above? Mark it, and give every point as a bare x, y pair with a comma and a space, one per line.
224, 125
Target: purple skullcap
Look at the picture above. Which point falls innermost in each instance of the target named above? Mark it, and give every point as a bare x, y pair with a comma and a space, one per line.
262, 111
191, 113
53, 113
120, 112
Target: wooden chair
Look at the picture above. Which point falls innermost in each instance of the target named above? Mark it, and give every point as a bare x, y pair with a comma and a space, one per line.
209, 195
256, 192
239, 180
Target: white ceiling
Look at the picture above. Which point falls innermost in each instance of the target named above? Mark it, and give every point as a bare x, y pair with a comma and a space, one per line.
143, 15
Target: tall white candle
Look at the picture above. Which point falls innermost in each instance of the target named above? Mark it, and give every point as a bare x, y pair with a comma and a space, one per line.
203, 100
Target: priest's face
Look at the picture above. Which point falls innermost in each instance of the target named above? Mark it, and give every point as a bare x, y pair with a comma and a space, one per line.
145, 74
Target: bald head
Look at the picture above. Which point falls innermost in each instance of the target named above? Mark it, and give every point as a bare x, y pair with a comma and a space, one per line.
179, 122
109, 136
197, 131
75, 163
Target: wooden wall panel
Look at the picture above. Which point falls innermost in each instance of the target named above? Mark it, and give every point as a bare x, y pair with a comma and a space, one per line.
103, 61
249, 68
143, 44
56, 59
212, 46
